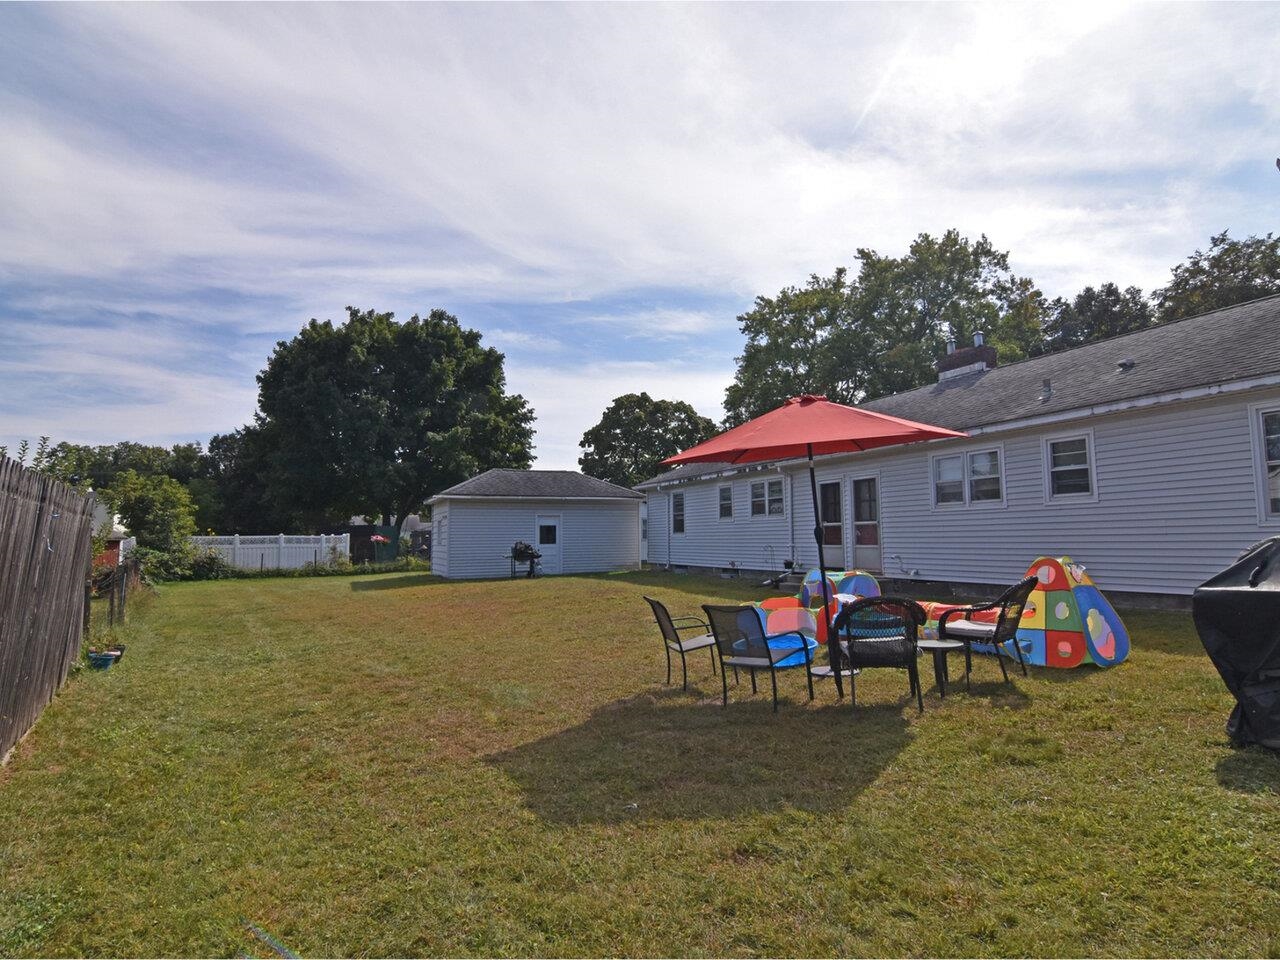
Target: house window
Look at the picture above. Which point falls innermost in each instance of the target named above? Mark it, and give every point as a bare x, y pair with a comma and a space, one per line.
948, 479
1271, 461
546, 534
1070, 467
677, 513
726, 503
766, 498
972, 477
644, 528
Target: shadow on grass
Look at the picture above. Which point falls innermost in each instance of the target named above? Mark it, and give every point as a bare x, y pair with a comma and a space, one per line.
665, 756
1250, 770
387, 582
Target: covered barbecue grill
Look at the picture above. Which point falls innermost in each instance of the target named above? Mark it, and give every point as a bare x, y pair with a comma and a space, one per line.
1237, 614
522, 552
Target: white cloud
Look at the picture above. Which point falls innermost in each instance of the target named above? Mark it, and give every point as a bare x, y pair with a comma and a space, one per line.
306, 157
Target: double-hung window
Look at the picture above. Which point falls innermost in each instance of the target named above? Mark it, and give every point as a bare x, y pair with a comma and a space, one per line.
726, 502
677, 513
1270, 424
1069, 468
766, 498
972, 477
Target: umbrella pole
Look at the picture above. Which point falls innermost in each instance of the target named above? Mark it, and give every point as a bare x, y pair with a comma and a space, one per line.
833, 649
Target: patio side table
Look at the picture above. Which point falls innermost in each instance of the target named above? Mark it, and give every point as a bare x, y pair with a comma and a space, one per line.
940, 649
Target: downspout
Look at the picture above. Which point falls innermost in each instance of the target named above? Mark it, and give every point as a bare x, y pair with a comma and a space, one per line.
669, 516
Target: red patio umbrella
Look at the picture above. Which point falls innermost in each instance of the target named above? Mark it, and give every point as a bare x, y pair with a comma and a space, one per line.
802, 427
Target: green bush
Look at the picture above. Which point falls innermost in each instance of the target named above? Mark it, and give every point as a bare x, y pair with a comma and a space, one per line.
160, 565
210, 565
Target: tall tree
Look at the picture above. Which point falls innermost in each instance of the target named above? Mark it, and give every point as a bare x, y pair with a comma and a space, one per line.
1095, 314
906, 307
156, 509
787, 350
883, 332
636, 433
1229, 272
373, 416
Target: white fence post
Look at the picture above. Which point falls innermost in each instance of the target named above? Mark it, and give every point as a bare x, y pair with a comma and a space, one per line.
235, 551
280, 552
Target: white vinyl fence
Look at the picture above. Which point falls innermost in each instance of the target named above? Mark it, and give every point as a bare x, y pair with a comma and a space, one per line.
126, 547
279, 552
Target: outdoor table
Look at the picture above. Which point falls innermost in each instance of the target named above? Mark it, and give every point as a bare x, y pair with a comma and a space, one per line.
940, 649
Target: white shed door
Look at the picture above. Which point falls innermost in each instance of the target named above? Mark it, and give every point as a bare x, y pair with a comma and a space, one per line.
548, 543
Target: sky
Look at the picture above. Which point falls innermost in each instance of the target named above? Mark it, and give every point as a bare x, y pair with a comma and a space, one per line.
599, 189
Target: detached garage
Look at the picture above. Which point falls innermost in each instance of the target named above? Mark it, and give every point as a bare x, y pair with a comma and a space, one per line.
579, 524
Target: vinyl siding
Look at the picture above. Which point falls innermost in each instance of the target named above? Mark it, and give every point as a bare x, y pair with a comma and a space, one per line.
1177, 500
594, 537
752, 543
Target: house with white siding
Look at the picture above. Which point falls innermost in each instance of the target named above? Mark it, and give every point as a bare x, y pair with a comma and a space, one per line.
578, 523
1153, 458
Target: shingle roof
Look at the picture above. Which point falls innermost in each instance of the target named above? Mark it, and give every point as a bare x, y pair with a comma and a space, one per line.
538, 484
1234, 343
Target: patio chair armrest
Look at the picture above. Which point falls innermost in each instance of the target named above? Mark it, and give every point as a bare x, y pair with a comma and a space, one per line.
694, 623
967, 611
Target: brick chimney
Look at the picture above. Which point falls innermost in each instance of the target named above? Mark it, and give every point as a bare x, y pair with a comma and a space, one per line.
964, 360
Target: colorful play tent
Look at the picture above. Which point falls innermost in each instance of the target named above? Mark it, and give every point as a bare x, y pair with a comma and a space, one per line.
801, 612
1067, 620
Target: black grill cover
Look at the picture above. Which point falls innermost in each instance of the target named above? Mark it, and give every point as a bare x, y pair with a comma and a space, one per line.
1237, 615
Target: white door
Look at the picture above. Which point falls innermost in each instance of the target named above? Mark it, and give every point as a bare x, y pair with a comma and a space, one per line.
832, 525
548, 544
866, 524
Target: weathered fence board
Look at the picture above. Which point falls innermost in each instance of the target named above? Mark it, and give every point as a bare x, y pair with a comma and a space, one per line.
45, 530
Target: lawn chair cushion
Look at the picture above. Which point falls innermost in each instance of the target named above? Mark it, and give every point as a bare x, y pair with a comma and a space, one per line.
692, 643
967, 629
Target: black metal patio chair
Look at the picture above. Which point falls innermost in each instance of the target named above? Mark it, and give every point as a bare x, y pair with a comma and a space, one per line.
741, 641
957, 625
880, 632
671, 640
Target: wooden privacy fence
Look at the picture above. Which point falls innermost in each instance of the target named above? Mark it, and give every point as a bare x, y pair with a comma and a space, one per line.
45, 530
279, 552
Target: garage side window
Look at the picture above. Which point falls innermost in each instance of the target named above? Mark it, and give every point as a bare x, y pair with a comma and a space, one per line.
677, 513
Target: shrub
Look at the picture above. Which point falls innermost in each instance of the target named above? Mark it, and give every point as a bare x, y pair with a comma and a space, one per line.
210, 565
158, 565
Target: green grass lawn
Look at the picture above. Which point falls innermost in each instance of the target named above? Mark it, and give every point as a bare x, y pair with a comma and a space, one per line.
395, 765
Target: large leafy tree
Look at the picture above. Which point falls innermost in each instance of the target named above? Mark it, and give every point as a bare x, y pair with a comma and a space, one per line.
1094, 314
883, 331
156, 509
636, 433
788, 349
1229, 272
373, 416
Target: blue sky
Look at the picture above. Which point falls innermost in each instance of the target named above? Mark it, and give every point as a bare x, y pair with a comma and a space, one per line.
599, 189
